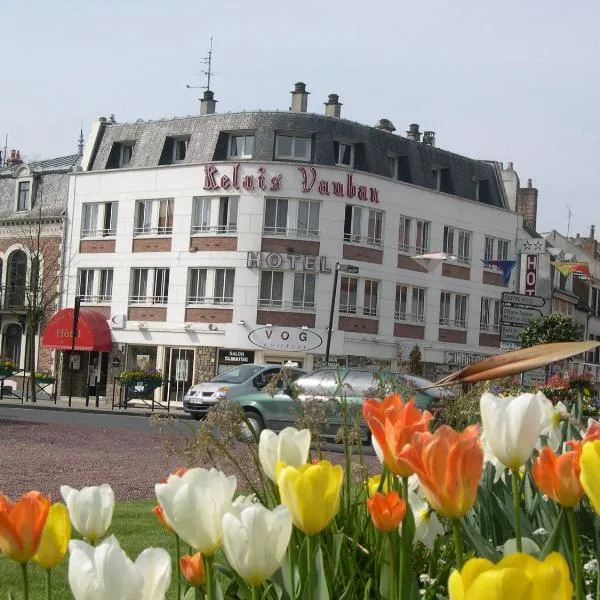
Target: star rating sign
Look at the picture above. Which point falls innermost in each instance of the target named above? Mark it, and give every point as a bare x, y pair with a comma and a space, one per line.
538, 246
527, 245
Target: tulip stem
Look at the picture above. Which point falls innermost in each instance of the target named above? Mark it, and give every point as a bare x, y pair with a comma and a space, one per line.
517, 507
393, 566
177, 567
255, 593
291, 568
458, 543
48, 585
405, 549
25, 581
209, 566
576, 554
310, 547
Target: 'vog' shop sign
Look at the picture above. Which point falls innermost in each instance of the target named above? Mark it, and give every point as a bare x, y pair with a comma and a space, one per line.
285, 338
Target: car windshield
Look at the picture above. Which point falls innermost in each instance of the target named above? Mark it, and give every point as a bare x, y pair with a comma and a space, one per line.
237, 374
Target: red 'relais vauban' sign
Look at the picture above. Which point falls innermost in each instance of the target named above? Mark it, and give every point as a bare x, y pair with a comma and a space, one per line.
309, 182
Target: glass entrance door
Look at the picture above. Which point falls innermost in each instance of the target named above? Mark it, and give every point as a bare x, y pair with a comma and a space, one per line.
179, 366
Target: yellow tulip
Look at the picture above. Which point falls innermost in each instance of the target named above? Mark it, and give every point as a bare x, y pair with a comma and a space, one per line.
312, 494
55, 537
590, 472
516, 577
373, 485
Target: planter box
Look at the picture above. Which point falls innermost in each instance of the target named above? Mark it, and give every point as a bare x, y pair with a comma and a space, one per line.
44, 380
141, 388
6, 371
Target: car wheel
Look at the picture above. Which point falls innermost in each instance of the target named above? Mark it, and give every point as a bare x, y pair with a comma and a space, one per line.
252, 426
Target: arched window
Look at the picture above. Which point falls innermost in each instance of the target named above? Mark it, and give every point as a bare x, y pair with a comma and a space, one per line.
16, 279
11, 342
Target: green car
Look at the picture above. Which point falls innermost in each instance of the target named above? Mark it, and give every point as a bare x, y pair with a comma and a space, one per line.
318, 397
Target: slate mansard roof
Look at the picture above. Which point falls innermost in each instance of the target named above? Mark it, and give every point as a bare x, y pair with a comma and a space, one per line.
209, 137
50, 187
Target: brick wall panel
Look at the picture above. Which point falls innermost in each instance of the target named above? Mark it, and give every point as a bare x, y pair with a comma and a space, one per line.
408, 330
455, 336
289, 319
493, 278
370, 255
492, 340
209, 315
147, 313
406, 262
456, 271
302, 247
159, 244
210, 243
96, 246
358, 324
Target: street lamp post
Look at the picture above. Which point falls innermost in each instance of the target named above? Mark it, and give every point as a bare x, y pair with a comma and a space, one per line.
346, 269
72, 352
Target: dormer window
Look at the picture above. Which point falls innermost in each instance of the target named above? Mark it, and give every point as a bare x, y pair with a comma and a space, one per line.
120, 155
24, 196
293, 147
344, 154
174, 151
241, 146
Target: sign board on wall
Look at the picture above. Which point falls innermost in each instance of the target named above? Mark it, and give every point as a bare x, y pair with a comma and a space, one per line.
235, 357
516, 315
531, 246
285, 338
531, 261
523, 300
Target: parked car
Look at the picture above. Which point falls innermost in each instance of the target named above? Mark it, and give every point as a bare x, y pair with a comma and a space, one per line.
243, 379
328, 386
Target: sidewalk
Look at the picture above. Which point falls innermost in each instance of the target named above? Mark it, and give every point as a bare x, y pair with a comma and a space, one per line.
78, 404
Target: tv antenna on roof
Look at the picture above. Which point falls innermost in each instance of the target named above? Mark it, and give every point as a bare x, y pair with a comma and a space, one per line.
570, 214
207, 60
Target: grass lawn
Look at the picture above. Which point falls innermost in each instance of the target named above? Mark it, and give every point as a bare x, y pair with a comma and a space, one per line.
135, 527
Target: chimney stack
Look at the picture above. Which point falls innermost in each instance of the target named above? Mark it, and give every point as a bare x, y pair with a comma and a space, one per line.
15, 158
413, 133
299, 98
333, 108
592, 232
208, 103
429, 138
529, 183
385, 125
527, 200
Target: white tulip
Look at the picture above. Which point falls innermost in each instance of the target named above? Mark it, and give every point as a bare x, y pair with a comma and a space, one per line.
194, 505
105, 572
290, 446
256, 540
90, 509
555, 415
512, 425
428, 527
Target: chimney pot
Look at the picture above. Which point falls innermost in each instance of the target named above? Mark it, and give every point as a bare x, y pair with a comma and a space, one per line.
15, 158
208, 103
592, 232
429, 138
510, 166
333, 108
413, 132
385, 125
529, 183
299, 98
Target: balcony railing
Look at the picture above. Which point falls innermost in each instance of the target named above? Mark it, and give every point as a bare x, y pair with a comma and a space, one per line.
148, 299
359, 311
409, 317
199, 300
458, 323
290, 233
85, 233
214, 229
166, 230
96, 299
363, 240
273, 303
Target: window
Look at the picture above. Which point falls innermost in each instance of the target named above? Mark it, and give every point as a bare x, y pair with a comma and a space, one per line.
174, 151
453, 309
154, 217
11, 342
292, 147
276, 210
241, 146
502, 253
158, 293
415, 311
404, 234
442, 181
308, 218
201, 214
304, 291
344, 154
348, 289
489, 319
370, 303
23, 197
488, 253
271, 289
99, 219
16, 279
120, 155
495, 249
126, 152
197, 286
437, 179
458, 242
399, 167
224, 282
228, 215
95, 285
481, 190
422, 238
353, 225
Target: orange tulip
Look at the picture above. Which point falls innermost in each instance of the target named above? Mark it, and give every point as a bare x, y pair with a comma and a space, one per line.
160, 515
386, 510
393, 423
449, 466
192, 568
179, 471
21, 525
592, 433
558, 476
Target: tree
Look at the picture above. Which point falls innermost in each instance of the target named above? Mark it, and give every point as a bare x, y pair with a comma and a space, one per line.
549, 329
415, 366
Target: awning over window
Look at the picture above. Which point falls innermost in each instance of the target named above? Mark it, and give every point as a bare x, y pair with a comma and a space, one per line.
93, 332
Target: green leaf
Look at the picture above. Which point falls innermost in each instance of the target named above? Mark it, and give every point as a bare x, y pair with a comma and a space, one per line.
190, 594
554, 538
482, 547
367, 594
319, 582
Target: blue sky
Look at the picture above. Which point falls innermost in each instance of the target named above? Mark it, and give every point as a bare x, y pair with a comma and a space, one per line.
508, 81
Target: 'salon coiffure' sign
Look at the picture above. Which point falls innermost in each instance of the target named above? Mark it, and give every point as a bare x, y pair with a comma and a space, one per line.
309, 181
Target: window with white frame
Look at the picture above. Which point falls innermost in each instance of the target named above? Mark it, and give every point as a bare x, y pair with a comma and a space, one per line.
180, 146
348, 295
410, 304
149, 286
307, 224
271, 289
457, 242
488, 251
224, 209
370, 298
404, 234
201, 210
240, 146
99, 219
495, 248
502, 249
125, 154
357, 220
154, 217
399, 167
303, 295
489, 319
344, 154
95, 285
276, 216
453, 309
224, 285
228, 214
423, 232
210, 286
24, 196
293, 147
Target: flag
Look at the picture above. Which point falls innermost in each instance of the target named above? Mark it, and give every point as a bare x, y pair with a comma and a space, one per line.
566, 268
436, 256
506, 266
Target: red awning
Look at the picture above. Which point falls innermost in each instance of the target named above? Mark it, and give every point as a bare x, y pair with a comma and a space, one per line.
93, 332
